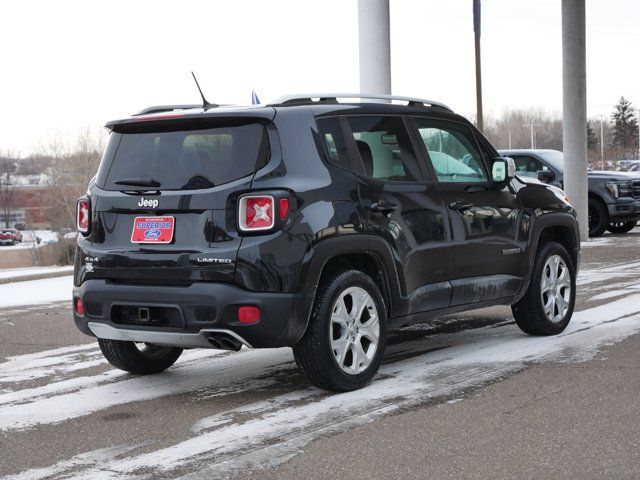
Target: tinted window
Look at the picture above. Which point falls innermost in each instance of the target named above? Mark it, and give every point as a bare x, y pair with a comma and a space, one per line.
385, 148
527, 166
186, 160
452, 151
333, 141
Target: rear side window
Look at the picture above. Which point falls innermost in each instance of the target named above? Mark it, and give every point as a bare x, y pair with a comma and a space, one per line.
185, 160
333, 142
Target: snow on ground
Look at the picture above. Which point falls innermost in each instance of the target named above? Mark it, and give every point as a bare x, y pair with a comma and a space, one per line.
30, 237
32, 271
270, 431
32, 292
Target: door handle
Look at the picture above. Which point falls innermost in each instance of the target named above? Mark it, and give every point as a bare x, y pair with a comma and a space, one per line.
383, 206
460, 205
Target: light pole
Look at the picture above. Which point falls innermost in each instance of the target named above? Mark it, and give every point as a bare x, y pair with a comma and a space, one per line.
602, 141
476, 31
533, 135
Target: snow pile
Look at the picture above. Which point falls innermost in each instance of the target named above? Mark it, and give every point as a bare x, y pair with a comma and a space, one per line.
34, 292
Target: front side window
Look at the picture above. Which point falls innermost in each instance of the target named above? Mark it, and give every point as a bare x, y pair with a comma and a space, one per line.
527, 166
452, 151
385, 148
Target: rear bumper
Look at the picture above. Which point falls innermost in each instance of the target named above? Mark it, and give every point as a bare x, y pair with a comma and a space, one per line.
624, 209
283, 316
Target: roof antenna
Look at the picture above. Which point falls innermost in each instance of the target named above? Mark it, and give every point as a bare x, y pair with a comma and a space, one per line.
205, 104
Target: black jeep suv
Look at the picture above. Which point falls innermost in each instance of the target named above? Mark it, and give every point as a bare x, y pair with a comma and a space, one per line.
318, 222
614, 197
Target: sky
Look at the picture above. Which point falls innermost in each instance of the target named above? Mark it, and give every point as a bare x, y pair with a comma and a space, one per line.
68, 65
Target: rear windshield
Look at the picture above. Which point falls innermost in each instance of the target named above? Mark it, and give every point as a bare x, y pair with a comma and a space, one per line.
183, 160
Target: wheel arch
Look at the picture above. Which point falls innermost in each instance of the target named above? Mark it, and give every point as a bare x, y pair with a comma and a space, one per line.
367, 253
558, 227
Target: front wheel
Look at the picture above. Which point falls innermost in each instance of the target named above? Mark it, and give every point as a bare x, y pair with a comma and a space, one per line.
547, 306
598, 218
621, 227
140, 358
344, 343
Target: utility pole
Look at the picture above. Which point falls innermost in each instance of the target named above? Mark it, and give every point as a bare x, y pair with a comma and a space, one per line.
532, 126
476, 31
602, 141
509, 139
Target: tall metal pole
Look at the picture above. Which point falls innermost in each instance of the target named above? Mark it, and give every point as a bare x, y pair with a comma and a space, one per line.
476, 31
602, 141
574, 103
375, 47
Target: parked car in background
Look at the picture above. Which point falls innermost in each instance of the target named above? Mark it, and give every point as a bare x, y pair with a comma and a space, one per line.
614, 197
10, 236
627, 165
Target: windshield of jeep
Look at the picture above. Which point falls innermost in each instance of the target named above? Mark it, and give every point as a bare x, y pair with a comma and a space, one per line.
184, 159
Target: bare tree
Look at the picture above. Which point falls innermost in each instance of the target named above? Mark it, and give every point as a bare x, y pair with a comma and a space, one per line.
71, 167
7, 185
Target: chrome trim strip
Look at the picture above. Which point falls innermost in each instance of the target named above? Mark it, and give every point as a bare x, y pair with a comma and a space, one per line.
184, 340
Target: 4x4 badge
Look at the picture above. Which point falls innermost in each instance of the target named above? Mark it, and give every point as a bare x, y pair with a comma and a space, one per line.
147, 203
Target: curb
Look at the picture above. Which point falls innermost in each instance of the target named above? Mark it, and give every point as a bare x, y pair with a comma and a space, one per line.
36, 276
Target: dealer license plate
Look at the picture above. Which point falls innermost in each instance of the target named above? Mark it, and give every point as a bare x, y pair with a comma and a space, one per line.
153, 230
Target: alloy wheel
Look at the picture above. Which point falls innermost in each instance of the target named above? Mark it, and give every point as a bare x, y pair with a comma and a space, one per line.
555, 288
354, 330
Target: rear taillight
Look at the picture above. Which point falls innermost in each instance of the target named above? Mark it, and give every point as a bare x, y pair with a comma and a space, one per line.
256, 212
83, 215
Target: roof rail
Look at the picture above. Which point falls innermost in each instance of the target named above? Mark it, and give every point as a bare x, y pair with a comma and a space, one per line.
333, 98
164, 108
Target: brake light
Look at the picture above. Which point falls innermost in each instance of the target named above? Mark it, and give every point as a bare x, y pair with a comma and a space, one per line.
79, 307
83, 215
248, 314
284, 208
256, 212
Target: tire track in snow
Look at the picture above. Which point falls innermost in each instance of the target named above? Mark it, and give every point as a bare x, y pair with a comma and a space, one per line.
268, 433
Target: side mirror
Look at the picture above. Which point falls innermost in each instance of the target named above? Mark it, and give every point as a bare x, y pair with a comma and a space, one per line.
503, 169
546, 176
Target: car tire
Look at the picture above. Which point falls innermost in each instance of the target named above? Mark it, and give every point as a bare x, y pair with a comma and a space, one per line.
622, 227
340, 350
598, 218
141, 359
547, 306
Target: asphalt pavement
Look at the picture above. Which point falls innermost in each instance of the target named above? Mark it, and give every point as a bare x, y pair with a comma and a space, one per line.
468, 396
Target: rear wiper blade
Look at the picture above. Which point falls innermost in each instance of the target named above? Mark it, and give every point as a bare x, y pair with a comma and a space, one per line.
138, 182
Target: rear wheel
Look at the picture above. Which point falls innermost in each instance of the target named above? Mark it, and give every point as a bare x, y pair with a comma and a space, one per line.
598, 218
345, 340
139, 358
621, 227
547, 306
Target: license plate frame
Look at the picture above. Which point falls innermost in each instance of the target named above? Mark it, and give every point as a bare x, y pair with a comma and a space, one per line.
160, 232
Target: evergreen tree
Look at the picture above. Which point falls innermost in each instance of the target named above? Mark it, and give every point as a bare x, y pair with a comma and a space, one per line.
592, 141
624, 138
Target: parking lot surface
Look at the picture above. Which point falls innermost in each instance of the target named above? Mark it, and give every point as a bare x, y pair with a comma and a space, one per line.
466, 396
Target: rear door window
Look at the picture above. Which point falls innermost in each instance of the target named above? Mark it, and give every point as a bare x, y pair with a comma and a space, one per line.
185, 160
385, 148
